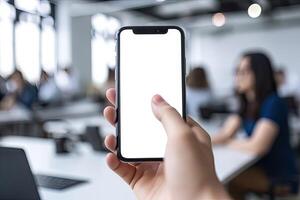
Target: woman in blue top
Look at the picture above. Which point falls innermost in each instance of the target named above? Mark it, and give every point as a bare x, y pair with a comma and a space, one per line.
264, 118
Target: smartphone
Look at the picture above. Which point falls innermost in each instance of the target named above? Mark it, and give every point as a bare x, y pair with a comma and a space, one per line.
150, 60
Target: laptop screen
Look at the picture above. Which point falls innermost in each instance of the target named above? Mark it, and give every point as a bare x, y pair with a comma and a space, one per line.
17, 181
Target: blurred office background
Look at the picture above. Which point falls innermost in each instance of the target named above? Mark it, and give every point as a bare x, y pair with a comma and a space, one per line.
57, 57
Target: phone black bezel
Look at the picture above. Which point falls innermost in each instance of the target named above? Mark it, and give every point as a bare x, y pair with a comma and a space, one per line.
145, 30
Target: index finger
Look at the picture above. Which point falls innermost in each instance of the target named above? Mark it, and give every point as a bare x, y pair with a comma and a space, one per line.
171, 120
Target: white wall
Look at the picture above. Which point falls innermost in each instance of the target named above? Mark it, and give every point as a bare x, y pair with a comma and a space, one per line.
81, 49
220, 52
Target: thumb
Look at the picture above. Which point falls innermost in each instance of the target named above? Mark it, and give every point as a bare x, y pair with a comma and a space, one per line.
171, 120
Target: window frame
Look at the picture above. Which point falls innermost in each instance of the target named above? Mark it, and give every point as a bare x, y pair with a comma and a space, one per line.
41, 17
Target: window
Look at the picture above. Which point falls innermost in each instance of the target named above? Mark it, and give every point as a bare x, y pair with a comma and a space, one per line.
103, 46
27, 47
7, 15
27, 38
99, 67
48, 46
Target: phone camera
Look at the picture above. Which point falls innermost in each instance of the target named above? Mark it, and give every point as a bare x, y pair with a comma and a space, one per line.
157, 31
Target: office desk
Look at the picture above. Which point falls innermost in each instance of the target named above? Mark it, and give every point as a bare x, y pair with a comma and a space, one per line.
103, 184
77, 125
15, 115
16, 121
72, 109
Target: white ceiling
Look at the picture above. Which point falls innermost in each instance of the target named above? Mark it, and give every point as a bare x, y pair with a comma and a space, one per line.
81, 7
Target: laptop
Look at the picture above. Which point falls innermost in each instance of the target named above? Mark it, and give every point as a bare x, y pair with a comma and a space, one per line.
17, 181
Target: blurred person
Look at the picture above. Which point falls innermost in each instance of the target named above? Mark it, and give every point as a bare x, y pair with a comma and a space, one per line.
288, 89
264, 117
68, 82
187, 171
48, 90
198, 92
284, 88
288, 85
3, 89
97, 91
19, 91
109, 83
279, 77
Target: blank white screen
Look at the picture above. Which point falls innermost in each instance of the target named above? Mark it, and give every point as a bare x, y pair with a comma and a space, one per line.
149, 64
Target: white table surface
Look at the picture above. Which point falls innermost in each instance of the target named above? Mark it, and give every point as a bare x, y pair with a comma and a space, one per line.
86, 164
103, 184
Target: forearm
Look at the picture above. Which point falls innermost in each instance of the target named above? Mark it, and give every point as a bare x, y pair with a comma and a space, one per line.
214, 192
261, 139
228, 131
220, 138
244, 145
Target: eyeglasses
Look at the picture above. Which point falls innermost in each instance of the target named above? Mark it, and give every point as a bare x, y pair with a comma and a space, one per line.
242, 72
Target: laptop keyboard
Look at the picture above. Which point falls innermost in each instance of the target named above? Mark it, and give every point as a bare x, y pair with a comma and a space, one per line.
56, 183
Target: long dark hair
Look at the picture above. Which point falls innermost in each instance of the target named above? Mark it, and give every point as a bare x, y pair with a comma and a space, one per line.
265, 84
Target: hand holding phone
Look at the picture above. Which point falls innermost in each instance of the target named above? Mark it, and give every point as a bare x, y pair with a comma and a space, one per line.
188, 169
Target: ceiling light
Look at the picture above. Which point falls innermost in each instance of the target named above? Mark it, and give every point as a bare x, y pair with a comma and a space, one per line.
218, 19
254, 10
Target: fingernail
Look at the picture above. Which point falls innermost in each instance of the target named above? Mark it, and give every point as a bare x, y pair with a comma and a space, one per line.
157, 99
